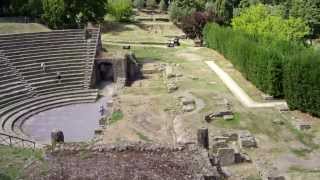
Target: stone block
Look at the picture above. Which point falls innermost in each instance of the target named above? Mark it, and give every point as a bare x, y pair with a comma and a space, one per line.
98, 131
187, 101
303, 126
276, 177
226, 156
219, 144
188, 108
228, 117
172, 87
169, 72
247, 140
267, 97
278, 122
231, 136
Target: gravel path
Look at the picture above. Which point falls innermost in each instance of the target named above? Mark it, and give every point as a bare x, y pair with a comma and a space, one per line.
238, 92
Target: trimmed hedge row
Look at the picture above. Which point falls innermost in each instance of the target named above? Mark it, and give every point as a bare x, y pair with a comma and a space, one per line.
279, 68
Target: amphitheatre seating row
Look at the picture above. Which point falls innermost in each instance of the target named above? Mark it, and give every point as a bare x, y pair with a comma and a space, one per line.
25, 89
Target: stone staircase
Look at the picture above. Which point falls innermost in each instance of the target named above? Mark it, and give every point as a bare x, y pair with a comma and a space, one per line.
26, 90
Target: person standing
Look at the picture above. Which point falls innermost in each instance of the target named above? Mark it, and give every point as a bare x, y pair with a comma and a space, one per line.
43, 66
59, 77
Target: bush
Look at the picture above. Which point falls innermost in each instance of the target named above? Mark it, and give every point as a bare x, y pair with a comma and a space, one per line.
152, 3
193, 25
139, 4
279, 68
163, 5
121, 10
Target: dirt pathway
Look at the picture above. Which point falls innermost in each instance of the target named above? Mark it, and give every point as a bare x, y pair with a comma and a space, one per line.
238, 92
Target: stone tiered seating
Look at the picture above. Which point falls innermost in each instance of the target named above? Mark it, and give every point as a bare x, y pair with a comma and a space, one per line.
25, 89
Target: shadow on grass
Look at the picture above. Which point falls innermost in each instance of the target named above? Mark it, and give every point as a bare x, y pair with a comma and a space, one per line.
115, 27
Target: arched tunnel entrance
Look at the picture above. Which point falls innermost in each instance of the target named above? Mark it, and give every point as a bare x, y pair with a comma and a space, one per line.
106, 71
118, 69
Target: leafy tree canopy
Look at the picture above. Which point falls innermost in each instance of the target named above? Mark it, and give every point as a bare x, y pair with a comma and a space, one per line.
261, 20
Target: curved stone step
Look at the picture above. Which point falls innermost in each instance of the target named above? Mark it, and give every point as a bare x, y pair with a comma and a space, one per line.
11, 120
56, 54
48, 59
36, 42
54, 63
59, 89
15, 108
23, 54
31, 50
39, 34
18, 130
53, 76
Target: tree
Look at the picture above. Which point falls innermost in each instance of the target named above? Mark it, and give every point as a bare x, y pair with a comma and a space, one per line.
139, 4
224, 8
308, 10
260, 20
151, 3
121, 10
81, 12
163, 5
54, 11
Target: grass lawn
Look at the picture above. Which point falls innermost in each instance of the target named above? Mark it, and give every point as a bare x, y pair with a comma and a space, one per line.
139, 32
14, 160
9, 28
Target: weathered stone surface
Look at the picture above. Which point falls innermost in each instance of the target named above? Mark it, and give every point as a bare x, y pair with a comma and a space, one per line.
203, 138
228, 117
169, 72
283, 108
276, 178
219, 144
278, 122
187, 101
303, 125
231, 136
98, 131
172, 87
247, 140
267, 97
226, 156
188, 108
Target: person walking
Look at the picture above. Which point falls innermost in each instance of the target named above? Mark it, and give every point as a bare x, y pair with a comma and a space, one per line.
43, 66
101, 110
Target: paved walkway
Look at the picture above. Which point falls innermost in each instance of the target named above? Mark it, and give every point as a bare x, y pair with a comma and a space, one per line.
238, 92
134, 44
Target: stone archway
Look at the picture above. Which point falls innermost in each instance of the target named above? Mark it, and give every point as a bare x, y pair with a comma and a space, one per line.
106, 71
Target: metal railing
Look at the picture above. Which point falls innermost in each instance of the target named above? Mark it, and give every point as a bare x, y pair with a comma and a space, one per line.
14, 141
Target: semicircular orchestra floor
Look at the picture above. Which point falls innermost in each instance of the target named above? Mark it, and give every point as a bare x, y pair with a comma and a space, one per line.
77, 122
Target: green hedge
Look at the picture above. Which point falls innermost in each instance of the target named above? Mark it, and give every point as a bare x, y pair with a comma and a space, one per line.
279, 68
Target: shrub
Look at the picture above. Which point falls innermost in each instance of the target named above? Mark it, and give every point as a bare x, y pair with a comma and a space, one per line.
121, 10
139, 4
163, 5
279, 68
192, 25
151, 3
